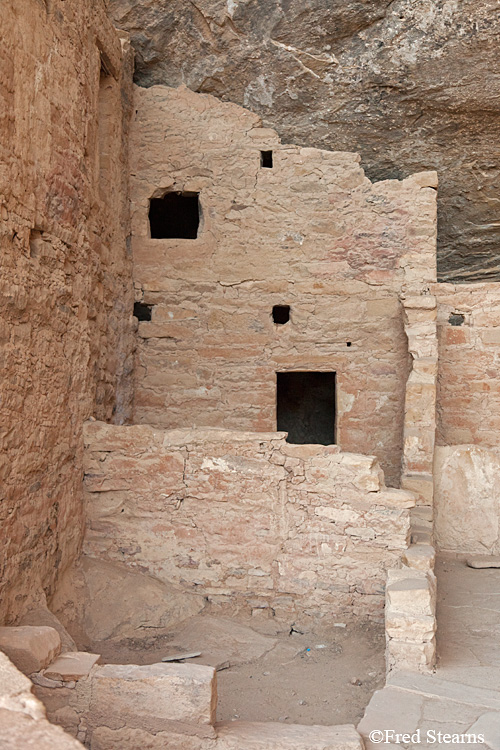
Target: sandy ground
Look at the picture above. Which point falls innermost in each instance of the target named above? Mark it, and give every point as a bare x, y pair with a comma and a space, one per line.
273, 676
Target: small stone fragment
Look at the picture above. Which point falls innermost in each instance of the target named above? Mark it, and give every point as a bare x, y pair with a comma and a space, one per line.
73, 665
181, 657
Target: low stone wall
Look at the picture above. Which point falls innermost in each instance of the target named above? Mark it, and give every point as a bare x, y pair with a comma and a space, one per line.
124, 707
247, 519
410, 616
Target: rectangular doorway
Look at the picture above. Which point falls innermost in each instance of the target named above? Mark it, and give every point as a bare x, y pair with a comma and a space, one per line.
305, 406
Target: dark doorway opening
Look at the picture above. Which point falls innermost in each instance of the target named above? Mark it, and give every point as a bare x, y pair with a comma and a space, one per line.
306, 406
175, 216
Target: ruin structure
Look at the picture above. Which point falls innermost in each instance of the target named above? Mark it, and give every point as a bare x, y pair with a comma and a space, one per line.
232, 384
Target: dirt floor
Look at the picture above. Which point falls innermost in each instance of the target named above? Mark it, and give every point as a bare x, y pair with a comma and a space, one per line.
267, 675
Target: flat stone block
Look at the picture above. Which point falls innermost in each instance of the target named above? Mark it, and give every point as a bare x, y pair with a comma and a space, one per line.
421, 485
420, 557
246, 735
156, 697
404, 628
413, 596
407, 656
30, 648
491, 336
396, 498
391, 709
433, 686
71, 666
489, 726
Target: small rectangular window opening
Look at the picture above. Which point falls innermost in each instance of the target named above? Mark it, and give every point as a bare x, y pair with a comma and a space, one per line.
306, 406
281, 314
175, 216
266, 159
142, 311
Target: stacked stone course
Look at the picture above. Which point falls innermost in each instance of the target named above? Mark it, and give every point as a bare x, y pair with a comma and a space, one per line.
254, 523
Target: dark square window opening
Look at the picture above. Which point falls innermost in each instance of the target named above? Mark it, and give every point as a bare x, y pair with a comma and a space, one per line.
266, 159
306, 406
142, 311
175, 216
281, 314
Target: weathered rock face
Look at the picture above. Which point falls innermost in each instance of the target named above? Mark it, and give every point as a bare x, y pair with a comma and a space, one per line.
411, 85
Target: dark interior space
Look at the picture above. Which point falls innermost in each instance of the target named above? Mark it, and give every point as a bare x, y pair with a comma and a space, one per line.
281, 314
142, 311
266, 159
175, 216
306, 406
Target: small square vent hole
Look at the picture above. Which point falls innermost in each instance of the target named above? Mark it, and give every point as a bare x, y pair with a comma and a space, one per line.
281, 314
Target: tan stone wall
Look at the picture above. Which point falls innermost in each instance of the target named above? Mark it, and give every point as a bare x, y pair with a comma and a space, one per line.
313, 233
247, 519
469, 377
66, 298
467, 504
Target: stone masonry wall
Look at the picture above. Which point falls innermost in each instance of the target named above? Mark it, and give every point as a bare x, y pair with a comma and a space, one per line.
247, 519
469, 354
66, 294
312, 233
467, 502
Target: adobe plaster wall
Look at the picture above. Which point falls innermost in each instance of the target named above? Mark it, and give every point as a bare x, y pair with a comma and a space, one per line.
313, 233
249, 521
66, 294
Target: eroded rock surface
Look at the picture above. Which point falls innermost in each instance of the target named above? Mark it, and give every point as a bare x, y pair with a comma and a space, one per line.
411, 85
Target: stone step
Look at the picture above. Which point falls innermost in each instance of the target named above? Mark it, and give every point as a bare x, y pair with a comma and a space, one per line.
421, 535
420, 557
415, 595
247, 735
